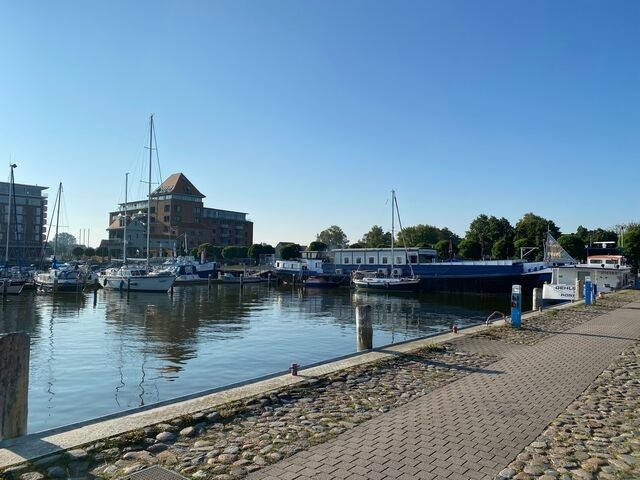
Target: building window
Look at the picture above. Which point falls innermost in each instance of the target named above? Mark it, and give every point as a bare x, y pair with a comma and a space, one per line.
167, 208
166, 218
177, 219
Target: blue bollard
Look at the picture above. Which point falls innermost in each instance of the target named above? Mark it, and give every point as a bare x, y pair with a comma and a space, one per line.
587, 291
516, 306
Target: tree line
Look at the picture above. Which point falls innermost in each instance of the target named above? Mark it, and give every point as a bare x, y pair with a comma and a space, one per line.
487, 237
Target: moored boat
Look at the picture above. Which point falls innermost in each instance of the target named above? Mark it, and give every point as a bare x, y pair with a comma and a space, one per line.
392, 279
140, 278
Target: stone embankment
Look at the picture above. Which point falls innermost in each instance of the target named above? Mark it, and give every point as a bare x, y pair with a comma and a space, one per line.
597, 437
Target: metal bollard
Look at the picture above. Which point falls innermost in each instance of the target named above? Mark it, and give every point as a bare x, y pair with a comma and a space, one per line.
294, 369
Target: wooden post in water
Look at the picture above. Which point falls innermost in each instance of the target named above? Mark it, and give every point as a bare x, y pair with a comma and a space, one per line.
209, 282
364, 328
241, 280
14, 384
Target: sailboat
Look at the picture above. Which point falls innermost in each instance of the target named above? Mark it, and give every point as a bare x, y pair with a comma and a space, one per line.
62, 277
131, 277
9, 283
395, 281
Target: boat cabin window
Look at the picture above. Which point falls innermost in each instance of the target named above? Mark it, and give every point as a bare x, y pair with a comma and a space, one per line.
371, 260
398, 260
345, 260
358, 259
385, 260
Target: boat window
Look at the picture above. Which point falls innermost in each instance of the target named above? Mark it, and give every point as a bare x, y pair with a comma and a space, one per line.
385, 260
345, 260
371, 260
398, 260
358, 259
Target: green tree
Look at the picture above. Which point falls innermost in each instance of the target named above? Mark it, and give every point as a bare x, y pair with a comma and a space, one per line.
469, 249
102, 251
376, 238
334, 237
631, 248
77, 251
215, 252
573, 244
258, 249
233, 252
501, 248
90, 252
531, 231
419, 235
446, 249
487, 231
290, 251
63, 242
317, 247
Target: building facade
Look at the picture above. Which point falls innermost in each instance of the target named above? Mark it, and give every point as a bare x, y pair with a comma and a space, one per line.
178, 217
24, 224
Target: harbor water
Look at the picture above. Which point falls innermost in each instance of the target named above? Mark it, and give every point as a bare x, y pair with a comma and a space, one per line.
95, 354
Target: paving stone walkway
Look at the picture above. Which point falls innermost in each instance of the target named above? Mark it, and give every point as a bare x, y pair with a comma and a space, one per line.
474, 427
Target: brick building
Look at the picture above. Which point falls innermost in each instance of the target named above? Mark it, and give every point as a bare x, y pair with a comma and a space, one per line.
177, 213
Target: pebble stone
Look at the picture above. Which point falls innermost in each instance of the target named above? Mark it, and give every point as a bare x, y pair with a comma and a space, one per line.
598, 436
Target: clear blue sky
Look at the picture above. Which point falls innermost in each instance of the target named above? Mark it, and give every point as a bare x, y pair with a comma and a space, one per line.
305, 114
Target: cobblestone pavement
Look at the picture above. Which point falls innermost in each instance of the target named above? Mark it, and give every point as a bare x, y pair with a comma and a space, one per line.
466, 409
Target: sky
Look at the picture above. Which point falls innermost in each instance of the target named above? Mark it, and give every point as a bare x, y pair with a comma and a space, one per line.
306, 114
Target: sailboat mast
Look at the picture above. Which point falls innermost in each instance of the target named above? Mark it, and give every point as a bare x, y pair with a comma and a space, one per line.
124, 234
393, 233
149, 193
55, 243
11, 195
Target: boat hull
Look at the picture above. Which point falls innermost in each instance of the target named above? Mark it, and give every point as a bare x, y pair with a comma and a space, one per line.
148, 283
10, 287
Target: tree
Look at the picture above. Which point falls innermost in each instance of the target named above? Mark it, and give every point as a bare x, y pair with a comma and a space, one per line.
446, 249
573, 244
489, 230
376, 238
631, 247
334, 237
90, 252
501, 248
77, 251
290, 251
64, 243
258, 249
234, 253
425, 235
469, 249
317, 247
101, 251
531, 231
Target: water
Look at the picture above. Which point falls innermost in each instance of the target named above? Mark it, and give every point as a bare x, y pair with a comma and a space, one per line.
93, 355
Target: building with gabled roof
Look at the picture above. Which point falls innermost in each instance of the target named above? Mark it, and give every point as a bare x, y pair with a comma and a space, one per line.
178, 216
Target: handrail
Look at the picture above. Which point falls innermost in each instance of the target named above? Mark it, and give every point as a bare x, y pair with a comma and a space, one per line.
494, 314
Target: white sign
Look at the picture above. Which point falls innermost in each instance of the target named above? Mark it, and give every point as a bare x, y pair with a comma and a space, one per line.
558, 292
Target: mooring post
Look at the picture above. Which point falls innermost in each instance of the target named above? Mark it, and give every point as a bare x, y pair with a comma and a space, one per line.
579, 287
241, 280
209, 282
14, 384
537, 299
364, 328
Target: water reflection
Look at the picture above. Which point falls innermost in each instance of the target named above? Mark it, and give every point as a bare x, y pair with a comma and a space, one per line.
96, 354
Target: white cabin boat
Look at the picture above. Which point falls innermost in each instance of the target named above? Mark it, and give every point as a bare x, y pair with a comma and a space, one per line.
607, 272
